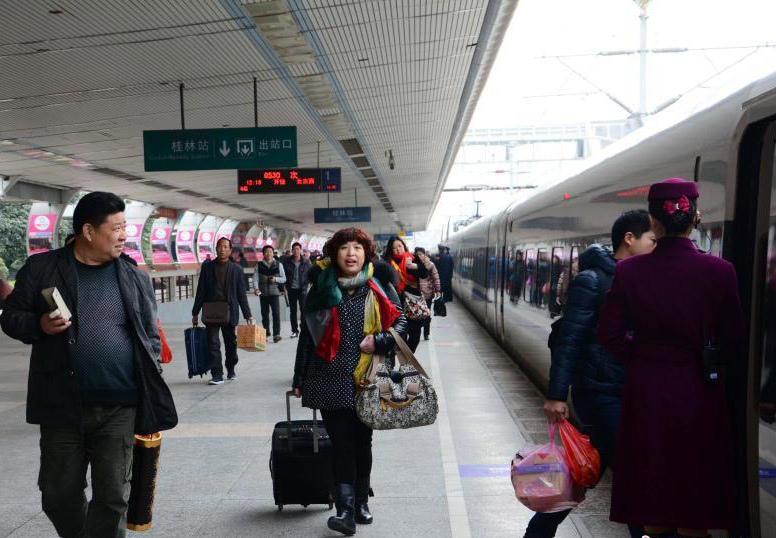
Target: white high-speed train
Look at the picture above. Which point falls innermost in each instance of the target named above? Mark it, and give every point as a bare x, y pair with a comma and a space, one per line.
507, 265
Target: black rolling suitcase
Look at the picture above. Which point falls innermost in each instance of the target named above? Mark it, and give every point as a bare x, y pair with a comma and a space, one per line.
300, 462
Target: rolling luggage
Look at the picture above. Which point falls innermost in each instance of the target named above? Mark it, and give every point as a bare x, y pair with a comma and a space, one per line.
197, 355
300, 462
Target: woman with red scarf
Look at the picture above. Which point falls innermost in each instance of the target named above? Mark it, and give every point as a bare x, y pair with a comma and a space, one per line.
410, 270
349, 310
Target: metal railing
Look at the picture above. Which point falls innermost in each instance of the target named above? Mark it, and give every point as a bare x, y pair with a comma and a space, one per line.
181, 284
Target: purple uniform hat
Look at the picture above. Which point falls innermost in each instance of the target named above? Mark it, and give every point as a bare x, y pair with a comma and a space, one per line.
673, 189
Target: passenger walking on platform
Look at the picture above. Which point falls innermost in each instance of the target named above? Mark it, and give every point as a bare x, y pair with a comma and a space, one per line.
269, 274
350, 308
410, 271
243, 262
579, 360
296, 268
430, 287
221, 283
663, 317
444, 264
93, 380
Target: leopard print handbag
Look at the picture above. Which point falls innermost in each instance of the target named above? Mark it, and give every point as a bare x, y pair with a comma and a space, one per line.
389, 400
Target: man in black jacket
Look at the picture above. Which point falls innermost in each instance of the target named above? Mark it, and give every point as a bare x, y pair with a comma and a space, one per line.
222, 282
93, 378
296, 267
444, 265
580, 361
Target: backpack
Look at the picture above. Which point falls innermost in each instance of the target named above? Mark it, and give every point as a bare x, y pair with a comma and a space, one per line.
555, 329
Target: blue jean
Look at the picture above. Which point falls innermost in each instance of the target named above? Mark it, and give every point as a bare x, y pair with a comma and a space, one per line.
602, 412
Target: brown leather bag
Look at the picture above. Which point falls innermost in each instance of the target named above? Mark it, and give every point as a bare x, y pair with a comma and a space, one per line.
215, 313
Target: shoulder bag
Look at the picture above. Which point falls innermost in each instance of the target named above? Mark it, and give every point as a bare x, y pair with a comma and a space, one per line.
388, 400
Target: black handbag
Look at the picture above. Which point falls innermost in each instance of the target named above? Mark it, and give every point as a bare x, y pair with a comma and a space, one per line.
215, 313
439, 308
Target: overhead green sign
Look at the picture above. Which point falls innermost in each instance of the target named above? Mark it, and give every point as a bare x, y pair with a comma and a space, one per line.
219, 149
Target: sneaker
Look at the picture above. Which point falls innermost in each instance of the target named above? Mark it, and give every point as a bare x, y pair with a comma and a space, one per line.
216, 381
231, 376
277, 338
295, 334
425, 337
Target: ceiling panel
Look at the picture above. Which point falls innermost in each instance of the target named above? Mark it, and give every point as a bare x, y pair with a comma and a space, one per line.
84, 82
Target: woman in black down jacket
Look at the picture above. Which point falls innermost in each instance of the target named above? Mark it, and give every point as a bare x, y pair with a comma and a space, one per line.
340, 332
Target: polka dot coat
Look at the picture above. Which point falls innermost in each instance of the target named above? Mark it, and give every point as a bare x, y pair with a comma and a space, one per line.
330, 386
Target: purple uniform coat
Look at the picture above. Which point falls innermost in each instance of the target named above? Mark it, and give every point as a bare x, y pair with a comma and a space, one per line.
674, 445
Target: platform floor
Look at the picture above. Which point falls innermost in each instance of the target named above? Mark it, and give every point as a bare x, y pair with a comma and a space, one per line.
447, 480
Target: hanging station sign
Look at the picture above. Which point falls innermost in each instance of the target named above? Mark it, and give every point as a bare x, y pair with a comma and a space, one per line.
289, 180
219, 149
326, 215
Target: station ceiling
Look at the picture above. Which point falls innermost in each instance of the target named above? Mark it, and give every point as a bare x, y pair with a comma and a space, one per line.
80, 80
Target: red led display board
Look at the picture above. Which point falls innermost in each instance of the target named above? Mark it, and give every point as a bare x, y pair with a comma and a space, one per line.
289, 180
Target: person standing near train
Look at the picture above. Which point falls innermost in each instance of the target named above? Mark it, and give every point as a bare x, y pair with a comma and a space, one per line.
580, 361
673, 318
444, 264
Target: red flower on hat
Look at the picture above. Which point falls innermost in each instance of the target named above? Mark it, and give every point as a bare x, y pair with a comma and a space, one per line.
672, 206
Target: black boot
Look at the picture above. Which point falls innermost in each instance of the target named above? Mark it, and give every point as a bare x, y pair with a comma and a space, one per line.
363, 492
344, 521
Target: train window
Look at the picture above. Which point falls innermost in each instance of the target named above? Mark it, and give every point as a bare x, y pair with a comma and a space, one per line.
542, 288
558, 275
529, 280
517, 277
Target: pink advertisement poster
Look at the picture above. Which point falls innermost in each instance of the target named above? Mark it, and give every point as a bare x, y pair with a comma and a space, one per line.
132, 242
250, 254
160, 250
185, 246
205, 246
40, 232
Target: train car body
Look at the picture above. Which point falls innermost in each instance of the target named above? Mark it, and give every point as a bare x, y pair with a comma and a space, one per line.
510, 268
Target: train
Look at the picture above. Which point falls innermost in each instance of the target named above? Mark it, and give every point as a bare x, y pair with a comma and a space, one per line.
508, 266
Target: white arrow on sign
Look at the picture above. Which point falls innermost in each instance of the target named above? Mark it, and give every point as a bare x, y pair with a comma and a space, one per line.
224, 150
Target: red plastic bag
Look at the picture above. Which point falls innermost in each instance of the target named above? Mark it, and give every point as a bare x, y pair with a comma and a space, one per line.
542, 480
583, 459
166, 351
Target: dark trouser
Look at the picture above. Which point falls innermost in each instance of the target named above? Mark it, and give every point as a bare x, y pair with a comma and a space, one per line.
427, 322
214, 346
414, 326
295, 297
267, 302
602, 412
105, 441
447, 292
351, 447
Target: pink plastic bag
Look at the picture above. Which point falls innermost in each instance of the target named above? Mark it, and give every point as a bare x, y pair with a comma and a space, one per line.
542, 480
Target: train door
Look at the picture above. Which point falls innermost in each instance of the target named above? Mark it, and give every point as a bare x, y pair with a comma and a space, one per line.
750, 243
497, 242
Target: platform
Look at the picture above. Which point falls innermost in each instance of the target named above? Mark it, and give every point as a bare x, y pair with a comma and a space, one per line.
447, 480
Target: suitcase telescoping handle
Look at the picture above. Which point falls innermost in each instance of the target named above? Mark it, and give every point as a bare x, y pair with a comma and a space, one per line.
288, 416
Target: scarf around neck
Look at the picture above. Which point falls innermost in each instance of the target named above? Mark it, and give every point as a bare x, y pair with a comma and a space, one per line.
322, 315
405, 279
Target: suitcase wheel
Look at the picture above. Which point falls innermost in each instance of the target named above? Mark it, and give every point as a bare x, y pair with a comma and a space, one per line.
280, 508
305, 505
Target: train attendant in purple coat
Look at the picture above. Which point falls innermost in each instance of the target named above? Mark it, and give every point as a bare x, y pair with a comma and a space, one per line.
674, 447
